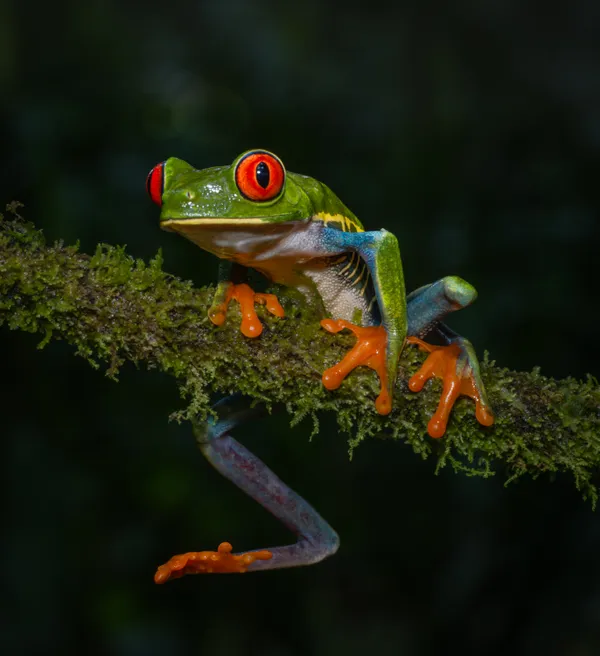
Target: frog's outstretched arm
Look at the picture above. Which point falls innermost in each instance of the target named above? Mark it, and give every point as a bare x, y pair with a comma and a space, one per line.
316, 539
455, 362
378, 347
233, 285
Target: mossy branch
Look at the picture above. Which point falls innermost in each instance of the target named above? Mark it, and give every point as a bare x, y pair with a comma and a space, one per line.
113, 308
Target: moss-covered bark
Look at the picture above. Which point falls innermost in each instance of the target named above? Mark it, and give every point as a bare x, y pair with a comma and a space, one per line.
113, 308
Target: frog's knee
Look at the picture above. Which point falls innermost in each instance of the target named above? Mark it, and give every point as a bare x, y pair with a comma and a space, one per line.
333, 544
458, 291
325, 546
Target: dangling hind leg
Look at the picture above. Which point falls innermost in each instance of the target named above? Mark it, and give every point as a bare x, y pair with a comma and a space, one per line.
315, 538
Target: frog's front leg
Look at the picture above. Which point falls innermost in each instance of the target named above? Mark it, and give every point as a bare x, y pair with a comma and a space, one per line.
378, 347
455, 362
315, 538
232, 285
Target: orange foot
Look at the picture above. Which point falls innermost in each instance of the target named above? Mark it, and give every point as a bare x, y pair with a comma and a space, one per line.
459, 379
208, 562
246, 297
369, 350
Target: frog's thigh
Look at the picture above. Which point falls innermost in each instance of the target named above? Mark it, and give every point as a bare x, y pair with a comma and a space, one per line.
428, 305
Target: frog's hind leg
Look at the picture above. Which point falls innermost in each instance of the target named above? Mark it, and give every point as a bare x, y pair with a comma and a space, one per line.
315, 538
455, 361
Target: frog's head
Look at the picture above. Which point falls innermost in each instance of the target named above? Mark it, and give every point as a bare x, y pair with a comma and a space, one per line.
253, 191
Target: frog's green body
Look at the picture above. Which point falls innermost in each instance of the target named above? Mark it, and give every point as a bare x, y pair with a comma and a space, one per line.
285, 239
294, 230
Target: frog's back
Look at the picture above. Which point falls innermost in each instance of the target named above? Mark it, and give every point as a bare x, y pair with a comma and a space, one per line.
329, 209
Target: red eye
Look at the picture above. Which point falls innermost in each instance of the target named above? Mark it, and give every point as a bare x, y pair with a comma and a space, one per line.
155, 183
259, 176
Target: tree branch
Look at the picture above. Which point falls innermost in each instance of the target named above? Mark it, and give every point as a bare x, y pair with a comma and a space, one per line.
114, 309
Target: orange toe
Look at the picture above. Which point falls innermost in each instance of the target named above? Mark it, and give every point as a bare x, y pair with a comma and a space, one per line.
244, 294
221, 561
369, 350
442, 363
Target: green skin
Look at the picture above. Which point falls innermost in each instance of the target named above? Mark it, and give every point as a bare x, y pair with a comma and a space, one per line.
207, 207
303, 237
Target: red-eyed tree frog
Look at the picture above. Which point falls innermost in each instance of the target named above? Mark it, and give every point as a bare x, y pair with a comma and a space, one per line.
294, 230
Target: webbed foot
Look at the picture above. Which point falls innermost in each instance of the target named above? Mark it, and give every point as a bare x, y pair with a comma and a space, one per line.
369, 350
246, 297
208, 562
457, 366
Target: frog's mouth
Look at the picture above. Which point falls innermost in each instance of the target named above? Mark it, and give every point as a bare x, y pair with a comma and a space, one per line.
191, 225
234, 238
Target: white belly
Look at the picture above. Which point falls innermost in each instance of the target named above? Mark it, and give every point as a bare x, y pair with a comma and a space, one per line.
286, 253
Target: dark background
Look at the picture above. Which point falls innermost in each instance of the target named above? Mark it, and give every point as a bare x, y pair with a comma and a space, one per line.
469, 129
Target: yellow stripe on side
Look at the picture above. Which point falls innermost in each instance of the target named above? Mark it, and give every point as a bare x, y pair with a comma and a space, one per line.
359, 261
349, 263
348, 225
364, 287
362, 273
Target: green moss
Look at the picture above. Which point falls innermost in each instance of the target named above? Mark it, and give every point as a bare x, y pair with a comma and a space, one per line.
113, 309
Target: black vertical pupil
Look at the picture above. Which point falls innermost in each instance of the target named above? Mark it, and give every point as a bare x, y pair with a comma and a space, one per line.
263, 175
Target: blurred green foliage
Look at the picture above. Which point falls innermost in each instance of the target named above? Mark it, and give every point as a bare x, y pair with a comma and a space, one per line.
471, 131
